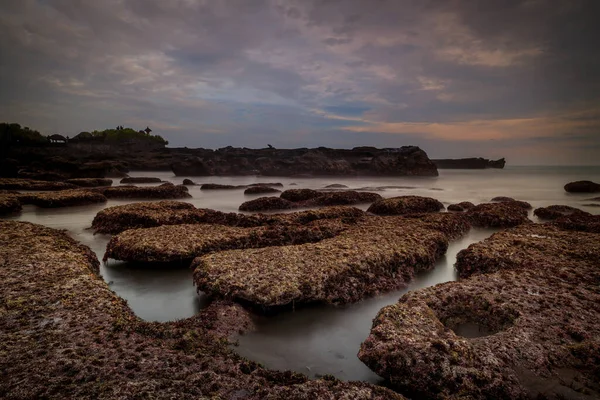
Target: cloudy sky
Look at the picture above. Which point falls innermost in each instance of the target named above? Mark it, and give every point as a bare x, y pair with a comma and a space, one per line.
506, 78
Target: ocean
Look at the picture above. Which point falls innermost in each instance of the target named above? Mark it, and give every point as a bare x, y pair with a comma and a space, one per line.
314, 340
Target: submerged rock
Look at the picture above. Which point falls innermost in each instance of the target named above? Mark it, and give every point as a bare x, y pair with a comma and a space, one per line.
405, 205
53, 298
582, 187
29, 184
90, 182
9, 204
146, 192
556, 211
497, 215
261, 190
64, 198
141, 179
532, 309
462, 206
373, 255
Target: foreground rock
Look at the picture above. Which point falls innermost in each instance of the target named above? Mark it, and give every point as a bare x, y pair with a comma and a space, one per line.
90, 182
497, 215
88, 343
582, 222
151, 214
9, 204
374, 255
63, 198
316, 199
343, 198
164, 191
462, 206
556, 211
261, 190
141, 179
29, 184
182, 243
405, 205
582, 187
267, 204
523, 326
504, 199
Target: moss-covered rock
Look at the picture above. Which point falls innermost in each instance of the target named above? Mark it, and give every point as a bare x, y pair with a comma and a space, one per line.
462, 206
556, 211
90, 182
296, 195
146, 192
140, 179
267, 204
405, 205
504, 199
497, 215
261, 190
64, 198
30, 184
9, 204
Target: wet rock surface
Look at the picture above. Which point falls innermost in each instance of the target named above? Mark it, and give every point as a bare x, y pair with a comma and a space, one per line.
405, 205
520, 203
497, 215
63, 198
261, 190
296, 195
29, 184
164, 191
373, 255
556, 211
267, 204
582, 187
462, 206
90, 182
88, 343
141, 179
531, 292
188, 182
312, 199
9, 204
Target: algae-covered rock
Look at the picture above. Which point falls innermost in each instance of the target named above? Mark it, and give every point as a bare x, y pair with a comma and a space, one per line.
523, 325
140, 179
88, 343
497, 215
9, 204
504, 199
405, 205
217, 186
30, 184
147, 192
90, 182
261, 190
582, 222
372, 256
556, 211
64, 198
462, 206
296, 195
267, 204
348, 197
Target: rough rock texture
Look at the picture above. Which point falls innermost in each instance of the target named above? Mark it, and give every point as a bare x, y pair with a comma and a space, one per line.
90, 182
469, 163
28, 184
188, 182
582, 187
405, 205
9, 204
497, 215
533, 301
343, 198
267, 204
63, 198
336, 186
374, 255
141, 179
296, 195
579, 222
169, 191
65, 334
217, 186
171, 243
261, 190
151, 214
462, 206
504, 199
556, 211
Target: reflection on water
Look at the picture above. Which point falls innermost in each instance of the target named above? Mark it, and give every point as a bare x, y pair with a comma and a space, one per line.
317, 340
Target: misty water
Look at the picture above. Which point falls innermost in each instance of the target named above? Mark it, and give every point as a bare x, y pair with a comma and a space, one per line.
316, 340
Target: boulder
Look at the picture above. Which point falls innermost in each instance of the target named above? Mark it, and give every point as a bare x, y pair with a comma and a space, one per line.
217, 186
462, 206
9, 204
296, 195
188, 182
261, 190
267, 204
497, 215
343, 198
504, 199
140, 179
582, 187
28, 184
405, 205
64, 198
146, 192
556, 211
90, 182
336, 186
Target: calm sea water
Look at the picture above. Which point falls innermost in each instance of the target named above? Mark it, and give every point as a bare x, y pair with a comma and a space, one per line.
317, 340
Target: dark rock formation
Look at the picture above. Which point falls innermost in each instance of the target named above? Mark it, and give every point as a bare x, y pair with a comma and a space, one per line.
336, 186
140, 179
497, 215
556, 211
343, 198
261, 190
188, 182
462, 206
320, 199
582, 187
299, 194
28, 184
523, 326
90, 182
582, 222
469, 163
405, 205
217, 186
63, 198
267, 204
504, 199
9, 204
148, 192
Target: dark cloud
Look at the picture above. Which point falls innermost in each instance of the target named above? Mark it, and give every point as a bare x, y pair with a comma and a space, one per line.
457, 77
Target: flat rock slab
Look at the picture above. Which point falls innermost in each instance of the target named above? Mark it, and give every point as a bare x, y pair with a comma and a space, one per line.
90, 182
30, 184
311, 198
88, 344
169, 191
532, 304
141, 179
374, 255
402, 205
171, 243
497, 215
63, 198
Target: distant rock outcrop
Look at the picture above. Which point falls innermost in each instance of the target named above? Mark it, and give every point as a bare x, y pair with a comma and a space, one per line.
469, 163
582, 187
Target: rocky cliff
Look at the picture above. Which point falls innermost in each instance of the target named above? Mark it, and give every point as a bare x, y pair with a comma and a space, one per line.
469, 163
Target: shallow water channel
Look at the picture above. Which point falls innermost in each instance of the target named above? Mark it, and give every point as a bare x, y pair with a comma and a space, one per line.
315, 340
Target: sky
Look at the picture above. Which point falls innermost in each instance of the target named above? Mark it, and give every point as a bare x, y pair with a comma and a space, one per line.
460, 78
